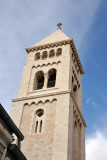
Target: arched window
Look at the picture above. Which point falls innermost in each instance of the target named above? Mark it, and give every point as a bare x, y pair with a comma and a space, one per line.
37, 56
39, 121
52, 53
44, 55
51, 78
59, 52
39, 80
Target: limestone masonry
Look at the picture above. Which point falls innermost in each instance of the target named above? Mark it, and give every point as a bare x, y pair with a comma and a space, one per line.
48, 109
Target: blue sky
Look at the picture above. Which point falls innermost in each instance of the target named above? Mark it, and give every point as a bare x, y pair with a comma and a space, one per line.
23, 23
95, 65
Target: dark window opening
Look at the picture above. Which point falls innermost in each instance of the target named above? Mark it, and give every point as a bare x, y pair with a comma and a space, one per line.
39, 80
44, 55
75, 88
52, 53
51, 78
75, 124
40, 129
37, 56
36, 127
59, 52
72, 79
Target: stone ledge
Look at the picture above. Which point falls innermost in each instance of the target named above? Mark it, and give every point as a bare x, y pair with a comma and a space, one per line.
39, 96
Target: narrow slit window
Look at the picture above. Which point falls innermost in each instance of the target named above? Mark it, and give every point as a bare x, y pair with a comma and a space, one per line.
40, 129
75, 124
72, 79
36, 129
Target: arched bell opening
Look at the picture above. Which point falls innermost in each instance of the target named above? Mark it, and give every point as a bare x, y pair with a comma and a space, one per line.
39, 80
51, 78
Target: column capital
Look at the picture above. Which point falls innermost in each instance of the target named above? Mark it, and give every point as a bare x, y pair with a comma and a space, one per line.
45, 74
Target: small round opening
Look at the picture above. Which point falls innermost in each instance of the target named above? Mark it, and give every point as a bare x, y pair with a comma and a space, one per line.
40, 112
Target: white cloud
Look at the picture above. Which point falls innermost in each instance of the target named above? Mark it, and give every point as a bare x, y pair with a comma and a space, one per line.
88, 100
94, 103
96, 146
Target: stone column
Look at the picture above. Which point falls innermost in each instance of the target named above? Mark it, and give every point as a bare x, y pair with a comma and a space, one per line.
45, 80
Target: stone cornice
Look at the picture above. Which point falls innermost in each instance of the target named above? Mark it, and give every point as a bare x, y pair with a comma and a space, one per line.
40, 96
77, 107
77, 57
56, 44
48, 45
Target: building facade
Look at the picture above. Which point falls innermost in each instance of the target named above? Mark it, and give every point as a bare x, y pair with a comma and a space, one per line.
9, 151
48, 109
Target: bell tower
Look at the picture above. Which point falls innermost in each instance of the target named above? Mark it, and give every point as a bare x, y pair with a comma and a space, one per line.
48, 109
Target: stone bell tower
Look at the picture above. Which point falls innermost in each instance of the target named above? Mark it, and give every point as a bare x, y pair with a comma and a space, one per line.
48, 109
